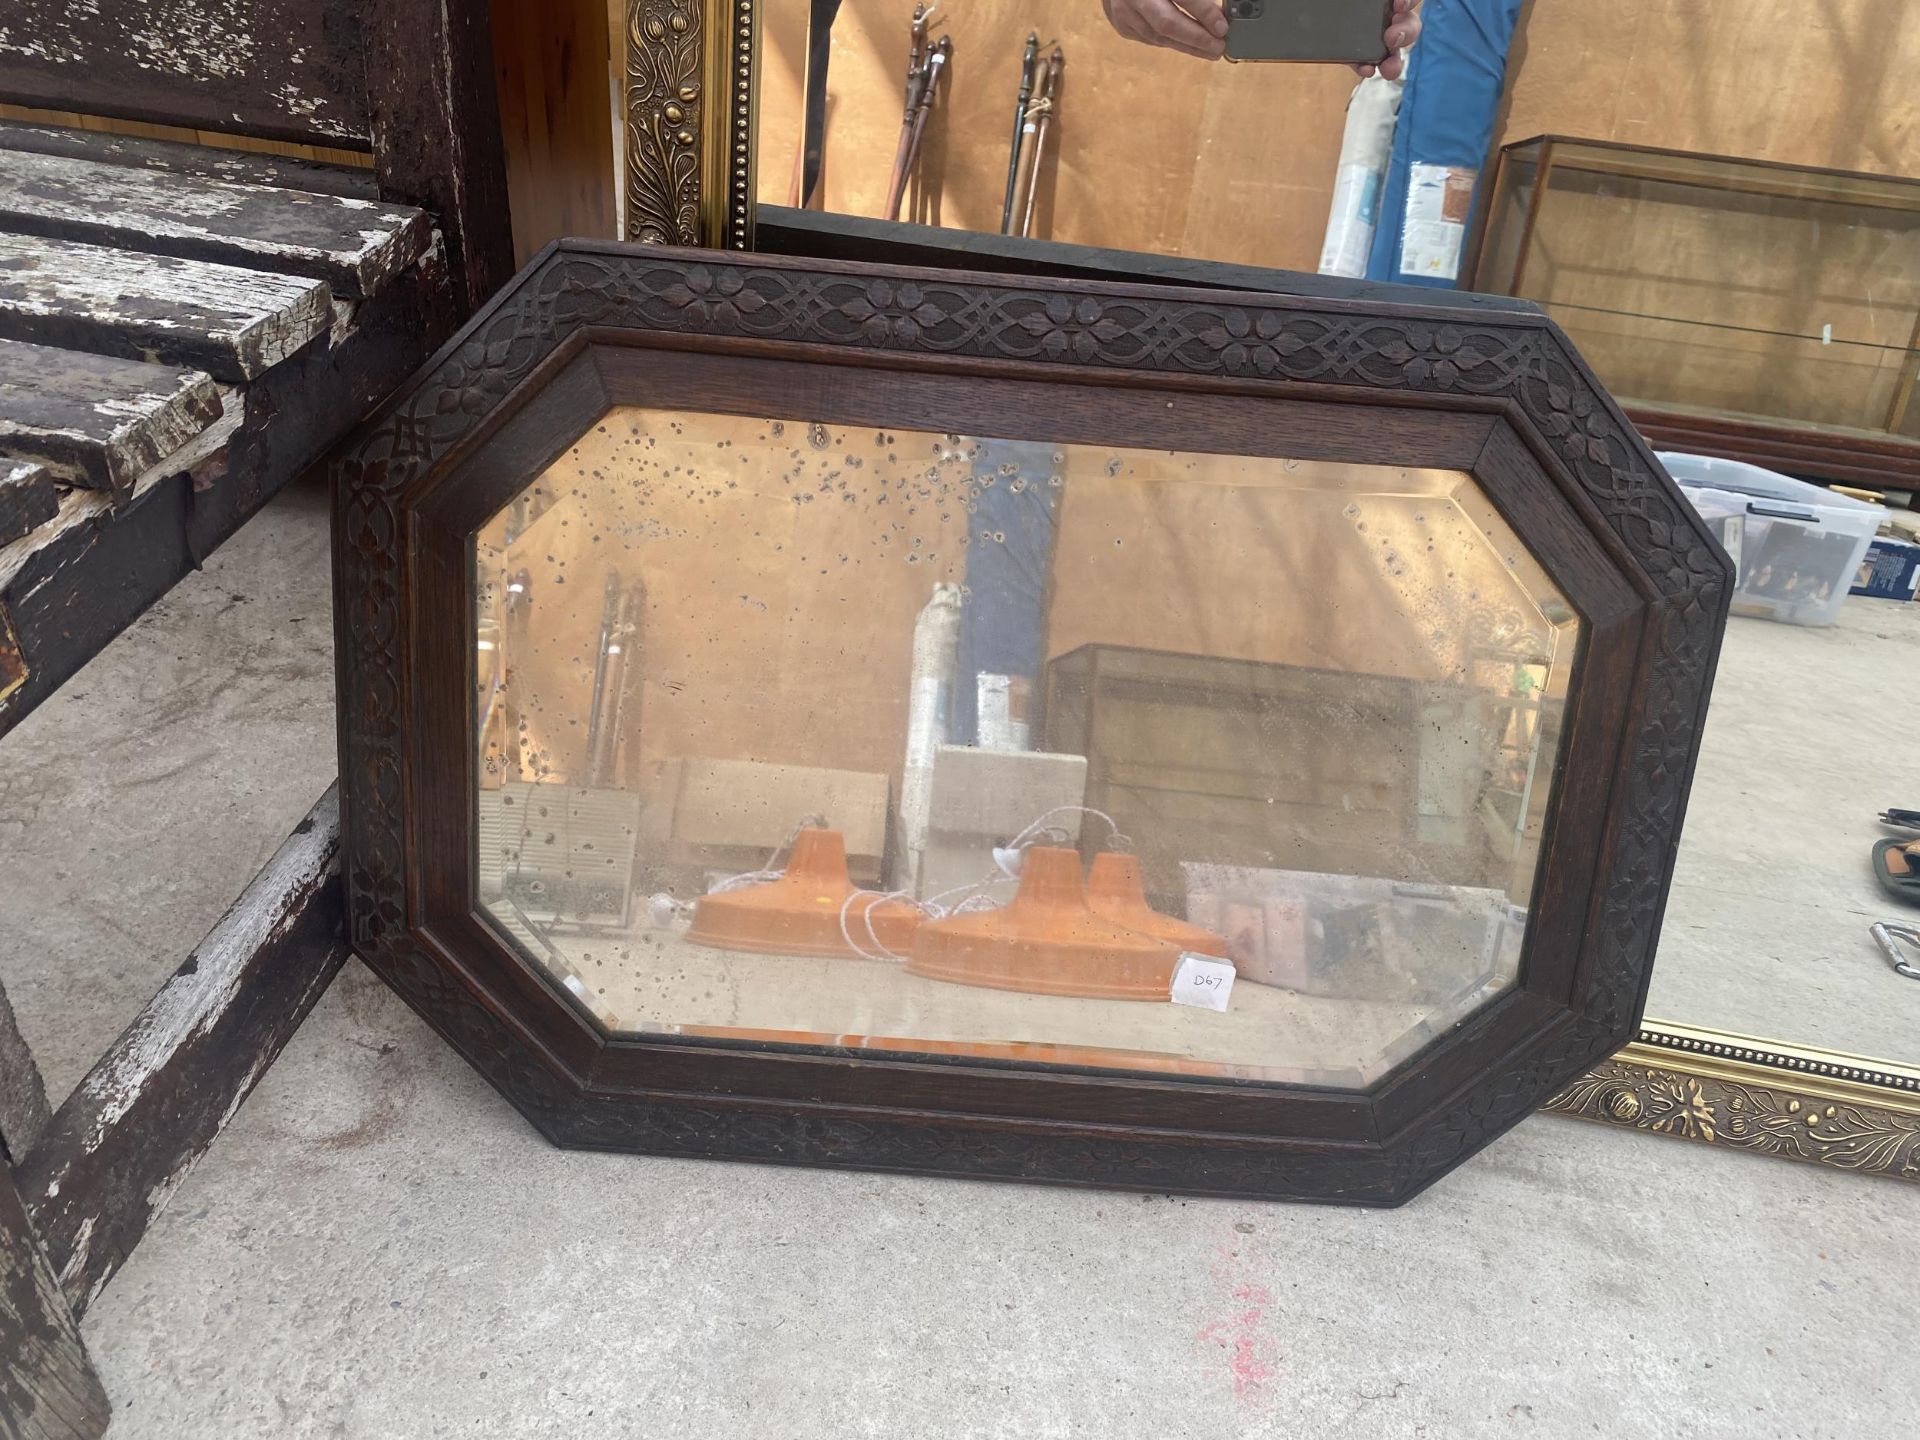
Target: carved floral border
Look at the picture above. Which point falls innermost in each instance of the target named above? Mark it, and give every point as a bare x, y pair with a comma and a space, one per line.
1762, 1113
1502, 356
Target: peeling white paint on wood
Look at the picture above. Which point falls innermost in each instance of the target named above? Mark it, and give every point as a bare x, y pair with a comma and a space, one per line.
199, 992
245, 167
88, 508
355, 245
266, 66
234, 323
120, 1145
96, 420
192, 40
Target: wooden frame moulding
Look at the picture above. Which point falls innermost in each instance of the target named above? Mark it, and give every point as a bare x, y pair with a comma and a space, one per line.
590, 325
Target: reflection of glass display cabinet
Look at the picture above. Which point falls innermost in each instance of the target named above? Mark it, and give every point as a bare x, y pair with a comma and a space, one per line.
1738, 308
791, 713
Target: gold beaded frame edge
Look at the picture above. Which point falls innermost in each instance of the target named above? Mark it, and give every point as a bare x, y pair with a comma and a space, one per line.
1819, 1107
687, 93
688, 87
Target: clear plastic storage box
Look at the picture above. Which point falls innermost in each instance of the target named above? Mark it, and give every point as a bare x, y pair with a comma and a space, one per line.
1796, 546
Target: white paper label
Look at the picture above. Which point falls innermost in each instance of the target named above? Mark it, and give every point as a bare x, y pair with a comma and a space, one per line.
1203, 981
1439, 202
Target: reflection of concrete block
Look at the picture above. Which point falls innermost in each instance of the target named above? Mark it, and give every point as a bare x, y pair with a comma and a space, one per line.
750, 803
730, 814
1000, 792
983, 798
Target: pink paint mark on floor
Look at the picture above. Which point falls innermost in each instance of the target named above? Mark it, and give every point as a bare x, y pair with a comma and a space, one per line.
1252, 1356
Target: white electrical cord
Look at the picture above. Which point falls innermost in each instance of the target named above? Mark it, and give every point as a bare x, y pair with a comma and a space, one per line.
772, 869
1006, 859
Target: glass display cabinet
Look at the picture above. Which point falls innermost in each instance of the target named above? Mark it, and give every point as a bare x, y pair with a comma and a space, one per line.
801, 711
1739, 308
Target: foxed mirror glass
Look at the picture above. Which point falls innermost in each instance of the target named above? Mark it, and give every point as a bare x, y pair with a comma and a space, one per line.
952, 745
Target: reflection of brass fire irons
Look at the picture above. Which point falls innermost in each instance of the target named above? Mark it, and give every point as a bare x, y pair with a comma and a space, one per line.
1030, 151
1028, 63
924, 68
619, 631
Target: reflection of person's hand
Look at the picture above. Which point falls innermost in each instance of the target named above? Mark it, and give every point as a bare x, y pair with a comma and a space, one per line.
1199, 27
1402, 31
1201, 31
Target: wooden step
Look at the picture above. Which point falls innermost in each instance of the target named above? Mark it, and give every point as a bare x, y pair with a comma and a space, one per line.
233, 323
175, 157
98, 421
356, 246
28, 498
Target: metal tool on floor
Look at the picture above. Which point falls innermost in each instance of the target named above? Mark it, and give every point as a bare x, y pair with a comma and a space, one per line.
1894, 942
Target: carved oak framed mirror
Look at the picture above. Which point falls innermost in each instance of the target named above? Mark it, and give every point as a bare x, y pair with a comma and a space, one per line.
819, 712
1776, 1026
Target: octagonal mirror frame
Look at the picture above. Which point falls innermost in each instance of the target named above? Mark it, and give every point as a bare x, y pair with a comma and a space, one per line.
1498, 394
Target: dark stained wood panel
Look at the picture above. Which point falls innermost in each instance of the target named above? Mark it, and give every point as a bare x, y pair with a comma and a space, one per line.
27, 495
280, 69
174, 157
356, 246
48, 1390
435, 113
233, 323
97, 421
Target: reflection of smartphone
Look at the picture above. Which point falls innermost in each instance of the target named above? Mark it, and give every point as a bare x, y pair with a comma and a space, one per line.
1351, 32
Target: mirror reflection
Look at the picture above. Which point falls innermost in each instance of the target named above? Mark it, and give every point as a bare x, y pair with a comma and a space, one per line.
1087, 137
1173, 762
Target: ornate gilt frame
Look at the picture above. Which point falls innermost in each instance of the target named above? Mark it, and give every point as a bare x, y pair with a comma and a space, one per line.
688, 179
1760, 1096
687, 95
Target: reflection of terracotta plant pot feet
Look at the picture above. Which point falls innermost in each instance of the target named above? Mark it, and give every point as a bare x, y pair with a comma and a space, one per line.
1046, 942
1117, 889
799, 914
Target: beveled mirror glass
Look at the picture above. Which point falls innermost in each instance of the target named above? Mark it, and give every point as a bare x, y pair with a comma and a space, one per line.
942, 743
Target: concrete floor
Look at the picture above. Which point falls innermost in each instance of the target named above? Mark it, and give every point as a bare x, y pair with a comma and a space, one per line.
378, 1247
1766, 926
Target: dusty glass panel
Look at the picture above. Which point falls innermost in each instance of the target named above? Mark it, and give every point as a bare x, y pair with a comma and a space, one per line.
1054, 753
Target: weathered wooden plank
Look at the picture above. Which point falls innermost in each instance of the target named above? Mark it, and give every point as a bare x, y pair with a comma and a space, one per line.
80, 580
48, 1390
174, 157
28, 498
281, 69
435, 107
128, 1135
97, 421
89, 510
23, 1094
356, 246
233, 323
